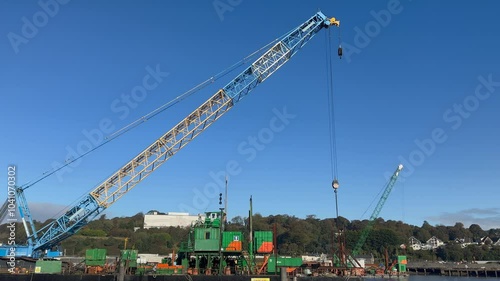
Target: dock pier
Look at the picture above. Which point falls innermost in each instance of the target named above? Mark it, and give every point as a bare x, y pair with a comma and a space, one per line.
454, 269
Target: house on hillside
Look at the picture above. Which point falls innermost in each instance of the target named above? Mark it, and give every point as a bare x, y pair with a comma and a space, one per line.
464, 242
497, 243
434, 242
486, 241
414, 243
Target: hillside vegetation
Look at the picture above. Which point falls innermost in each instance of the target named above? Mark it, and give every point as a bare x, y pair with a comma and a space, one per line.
295, 236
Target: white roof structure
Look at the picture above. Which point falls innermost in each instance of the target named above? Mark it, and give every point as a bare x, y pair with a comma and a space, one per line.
155, 219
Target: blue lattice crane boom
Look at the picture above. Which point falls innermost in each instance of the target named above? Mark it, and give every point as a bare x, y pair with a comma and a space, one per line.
142, 165
387, 191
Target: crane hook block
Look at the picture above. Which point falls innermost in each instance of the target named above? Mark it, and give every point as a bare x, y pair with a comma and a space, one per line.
339, 52
335, 184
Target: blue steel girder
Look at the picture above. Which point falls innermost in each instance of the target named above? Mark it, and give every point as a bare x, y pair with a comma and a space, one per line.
68, 224
26, 217
133, 172
275, 57
141, 166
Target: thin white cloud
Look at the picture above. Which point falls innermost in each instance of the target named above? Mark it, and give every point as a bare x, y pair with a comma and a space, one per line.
44, 211
41, 212
487, 218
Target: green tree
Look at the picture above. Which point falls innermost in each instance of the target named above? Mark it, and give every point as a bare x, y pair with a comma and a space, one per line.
93, 232
453, 253
477, 232
458, 231
441, 232
422, 234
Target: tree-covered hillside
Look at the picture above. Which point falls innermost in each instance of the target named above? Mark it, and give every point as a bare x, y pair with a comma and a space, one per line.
295, 236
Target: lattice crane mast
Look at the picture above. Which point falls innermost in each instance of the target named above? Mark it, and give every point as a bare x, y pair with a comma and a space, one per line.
142, 165
376, 211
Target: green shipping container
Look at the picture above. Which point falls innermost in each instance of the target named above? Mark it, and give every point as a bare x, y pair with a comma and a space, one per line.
231, 241
94, 257
282, 262
42, 266
402, 262
129, 257
263, 241
206, 239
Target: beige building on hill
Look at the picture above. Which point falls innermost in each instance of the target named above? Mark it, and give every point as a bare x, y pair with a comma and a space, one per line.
155, 219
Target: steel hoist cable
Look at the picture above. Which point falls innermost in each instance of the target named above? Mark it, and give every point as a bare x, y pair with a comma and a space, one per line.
331, 111
153, 113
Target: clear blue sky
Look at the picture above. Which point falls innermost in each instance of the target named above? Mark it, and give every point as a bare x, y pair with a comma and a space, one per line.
407, 90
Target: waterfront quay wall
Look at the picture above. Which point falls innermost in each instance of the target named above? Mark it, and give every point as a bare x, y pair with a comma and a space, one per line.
85, 277
454, 269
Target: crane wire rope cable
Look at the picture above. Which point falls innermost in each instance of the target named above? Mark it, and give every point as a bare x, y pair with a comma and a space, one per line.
375, 198
151, 114
331, 107
148, 116
402, 184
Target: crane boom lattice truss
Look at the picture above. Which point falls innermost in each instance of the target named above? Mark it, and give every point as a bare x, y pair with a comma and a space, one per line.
376, 211
141, 166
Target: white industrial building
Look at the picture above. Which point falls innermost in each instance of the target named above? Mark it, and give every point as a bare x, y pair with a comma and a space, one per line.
155, 219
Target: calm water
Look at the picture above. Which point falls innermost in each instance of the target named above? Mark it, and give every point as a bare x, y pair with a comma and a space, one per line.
436, 278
